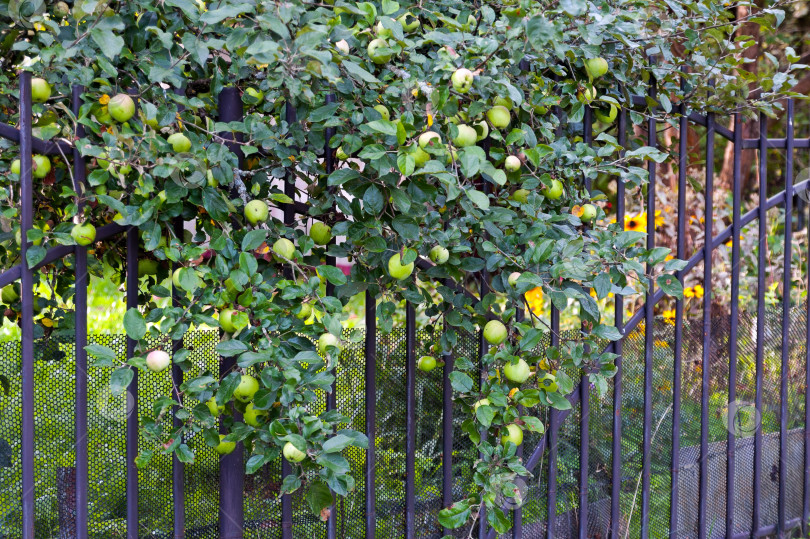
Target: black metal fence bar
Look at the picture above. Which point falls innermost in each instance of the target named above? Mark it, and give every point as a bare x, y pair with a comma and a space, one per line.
371, 413
27, 321
231, 467
786, 285
517, 514
806, 482
80, 334
410, 420
132, 390
683, 164
618, 314
447, 431
178, 474
735, 305
703, 486
553, 428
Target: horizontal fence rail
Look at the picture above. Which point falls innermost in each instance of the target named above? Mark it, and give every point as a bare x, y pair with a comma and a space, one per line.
401, 488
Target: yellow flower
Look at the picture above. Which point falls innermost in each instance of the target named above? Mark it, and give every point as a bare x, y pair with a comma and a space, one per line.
534, 298
661, 344
688, 292
637, 223
698, 291
104, 99
429, 120
669, 316
659, 219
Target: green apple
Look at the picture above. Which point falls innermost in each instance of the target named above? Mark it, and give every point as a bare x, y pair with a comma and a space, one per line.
520, 195
482, 402
467, 136
513, 278
121, 107
548, 382
517, 372
409, 22
608, 117
420, 157
176, 278
343, 46
213, 408
429, 138
439, 254
340, 154
252, 415
588, 213
226, 320
284, 249
498, 116
495, 332
256, 211
326, 340
374, 54
292, 453
179, 142
481, 130
504, 102
157, 360
555, 191
426, 363
596, 67
462, 80
513, 434
61, 10
224, 448
42, 166
383, 112
40, 90
304, 312
255, 96
588, 95
248, 386
512, 163
320, 233
83, 234
382, 31
15, 167
397, 270
10, 293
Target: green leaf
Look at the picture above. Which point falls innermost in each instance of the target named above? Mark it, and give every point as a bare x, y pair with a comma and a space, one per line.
253, 239
134, 324
35, 254
385, 127
319, 497
478, 198
342, 175
540, 32
533, 424
104, 355
184, 454
108, 42
670, 285
461, 382
485, 414
231, 347
332, 274
455, 516
358, 72
606, 332
120, 379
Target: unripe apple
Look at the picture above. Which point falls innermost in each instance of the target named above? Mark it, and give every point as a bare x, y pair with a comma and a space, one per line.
179, 142
513, 278
320, 233
409, 22
158, 360
588, 213
548, 382
10, 293
284, 249
467, 136
512, 163
224, 448
517, 372
374, 47
121, 107
304, 312
504, 101
292, 453
513, 434
383, 111
40, 90
439, 254
83, 234
381, 30
248, 386
397, 270
326, 340
343, 46
462, 80
429, 138
226, 320
426, 363
481, 130
340, 154
256, 211
252, 415
520, 195
588, 94
609, 117
498, 116
213, 408
255, 95
61, 10
555, 191
495, 332
42, 166
596, 67
482, 402
420, 157
15, 166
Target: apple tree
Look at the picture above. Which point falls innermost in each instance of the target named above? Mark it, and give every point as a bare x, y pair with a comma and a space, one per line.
457, 128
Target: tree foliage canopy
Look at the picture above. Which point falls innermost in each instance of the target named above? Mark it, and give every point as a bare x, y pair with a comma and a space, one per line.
486, 189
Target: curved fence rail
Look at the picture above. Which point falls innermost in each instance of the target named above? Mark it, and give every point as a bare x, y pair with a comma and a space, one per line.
649, 459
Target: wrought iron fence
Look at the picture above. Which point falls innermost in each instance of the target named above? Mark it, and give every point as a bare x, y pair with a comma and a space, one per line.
594, 467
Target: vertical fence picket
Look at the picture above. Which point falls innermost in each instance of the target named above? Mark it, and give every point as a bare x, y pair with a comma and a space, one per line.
616, 462
231, 467
649, 319
410, 421
178, 472
132, 390
806, 489
703, 486
786, 287
736, 228
517, 513
370, 353
553, 427
447, 432
683, 164
27, 314
80, 301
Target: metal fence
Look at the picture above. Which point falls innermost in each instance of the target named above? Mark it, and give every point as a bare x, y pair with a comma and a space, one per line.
640, 461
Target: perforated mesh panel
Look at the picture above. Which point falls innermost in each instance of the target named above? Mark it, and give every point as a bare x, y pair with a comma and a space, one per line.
55, 433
